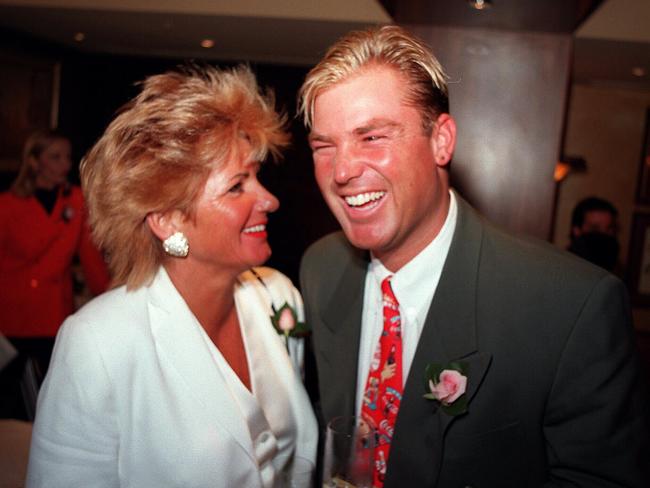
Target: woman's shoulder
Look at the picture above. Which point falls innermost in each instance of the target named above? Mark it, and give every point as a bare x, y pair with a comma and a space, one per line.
8, 197
73, 194
116, 313
267, 277
17, 210
274, 285
6, 200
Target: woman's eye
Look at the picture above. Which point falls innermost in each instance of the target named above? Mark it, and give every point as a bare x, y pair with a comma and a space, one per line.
236, 188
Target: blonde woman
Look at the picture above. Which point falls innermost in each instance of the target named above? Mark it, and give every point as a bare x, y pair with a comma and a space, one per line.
177, 377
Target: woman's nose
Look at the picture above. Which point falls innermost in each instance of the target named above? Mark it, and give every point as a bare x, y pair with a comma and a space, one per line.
266, 201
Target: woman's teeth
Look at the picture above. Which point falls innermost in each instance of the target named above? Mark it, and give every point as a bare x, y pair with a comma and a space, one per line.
364, 198
254, 228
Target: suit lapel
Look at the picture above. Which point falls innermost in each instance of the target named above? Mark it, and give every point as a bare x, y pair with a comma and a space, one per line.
181, 345
342, 317
449, 333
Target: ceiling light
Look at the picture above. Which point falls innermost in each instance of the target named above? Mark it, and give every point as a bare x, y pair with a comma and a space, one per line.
207, 43
638, 71
480, 4
79, 37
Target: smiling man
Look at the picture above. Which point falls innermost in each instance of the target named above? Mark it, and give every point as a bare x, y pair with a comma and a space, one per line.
481, 359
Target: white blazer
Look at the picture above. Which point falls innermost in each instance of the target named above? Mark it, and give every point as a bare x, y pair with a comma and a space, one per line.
138, 396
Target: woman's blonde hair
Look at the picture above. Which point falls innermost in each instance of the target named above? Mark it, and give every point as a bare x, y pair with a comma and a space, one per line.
25, 183
390, 46
156, 156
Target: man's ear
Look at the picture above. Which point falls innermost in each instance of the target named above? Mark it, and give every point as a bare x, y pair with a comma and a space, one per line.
443, 139
164, 224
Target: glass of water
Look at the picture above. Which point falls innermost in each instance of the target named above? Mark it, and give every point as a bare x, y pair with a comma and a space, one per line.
349, 453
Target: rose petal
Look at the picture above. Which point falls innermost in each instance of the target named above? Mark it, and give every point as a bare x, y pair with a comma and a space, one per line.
439, 391
454, 383
286, 321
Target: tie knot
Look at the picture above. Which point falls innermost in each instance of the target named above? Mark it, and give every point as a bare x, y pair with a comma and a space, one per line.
387, 290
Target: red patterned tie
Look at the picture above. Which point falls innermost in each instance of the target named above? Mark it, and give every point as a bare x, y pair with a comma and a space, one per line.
384, 387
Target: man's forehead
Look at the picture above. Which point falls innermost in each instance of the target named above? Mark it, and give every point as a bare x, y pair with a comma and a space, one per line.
359, 102
599, 214
600, 219
369, 73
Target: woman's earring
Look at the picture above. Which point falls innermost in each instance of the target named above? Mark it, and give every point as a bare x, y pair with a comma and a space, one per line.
176, 245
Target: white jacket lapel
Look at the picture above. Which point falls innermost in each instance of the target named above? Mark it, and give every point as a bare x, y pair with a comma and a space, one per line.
179, 338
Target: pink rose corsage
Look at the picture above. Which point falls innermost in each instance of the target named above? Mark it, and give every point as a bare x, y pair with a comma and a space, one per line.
285, 321
447, 384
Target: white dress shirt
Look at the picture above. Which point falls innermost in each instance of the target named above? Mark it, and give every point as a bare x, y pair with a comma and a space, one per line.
414, 286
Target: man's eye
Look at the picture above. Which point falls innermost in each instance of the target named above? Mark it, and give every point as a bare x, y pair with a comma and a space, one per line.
319, 147
372, 138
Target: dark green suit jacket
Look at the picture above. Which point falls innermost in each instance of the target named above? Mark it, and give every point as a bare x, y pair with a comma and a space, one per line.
554, 386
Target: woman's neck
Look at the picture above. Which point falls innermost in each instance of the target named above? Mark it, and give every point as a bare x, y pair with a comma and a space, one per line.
209, 295
47, 198
46, 184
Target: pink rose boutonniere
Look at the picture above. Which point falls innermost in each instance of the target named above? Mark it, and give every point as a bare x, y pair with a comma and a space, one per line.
285, 321
447, 384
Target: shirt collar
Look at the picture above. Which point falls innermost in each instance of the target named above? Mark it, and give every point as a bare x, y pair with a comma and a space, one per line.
426, 266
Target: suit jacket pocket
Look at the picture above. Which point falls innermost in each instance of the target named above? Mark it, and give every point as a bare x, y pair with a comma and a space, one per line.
496, 458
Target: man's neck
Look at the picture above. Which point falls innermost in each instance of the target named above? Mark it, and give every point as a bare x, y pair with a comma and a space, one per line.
397, 257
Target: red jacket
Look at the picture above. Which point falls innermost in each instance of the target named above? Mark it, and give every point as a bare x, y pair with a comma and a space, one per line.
36, 252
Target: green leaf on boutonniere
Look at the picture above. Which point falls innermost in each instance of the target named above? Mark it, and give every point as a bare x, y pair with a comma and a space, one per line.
285, 321
446, 384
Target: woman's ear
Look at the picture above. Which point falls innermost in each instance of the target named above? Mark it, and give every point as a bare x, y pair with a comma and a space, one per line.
443, 139
164, 224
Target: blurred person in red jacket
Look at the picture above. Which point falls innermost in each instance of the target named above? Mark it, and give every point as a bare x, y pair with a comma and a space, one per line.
42, 231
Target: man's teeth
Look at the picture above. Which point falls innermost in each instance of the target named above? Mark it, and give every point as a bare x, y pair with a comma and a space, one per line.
363, 198
255, 228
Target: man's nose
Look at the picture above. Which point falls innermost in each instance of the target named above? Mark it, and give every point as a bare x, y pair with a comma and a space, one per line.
347, 165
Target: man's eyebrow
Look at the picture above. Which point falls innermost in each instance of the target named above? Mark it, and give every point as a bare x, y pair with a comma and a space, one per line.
369, 126
316, 137
375, 124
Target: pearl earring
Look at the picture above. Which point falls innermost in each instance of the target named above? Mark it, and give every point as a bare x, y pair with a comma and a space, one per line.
176, 245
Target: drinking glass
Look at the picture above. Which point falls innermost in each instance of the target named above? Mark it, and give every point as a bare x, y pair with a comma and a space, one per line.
349, 453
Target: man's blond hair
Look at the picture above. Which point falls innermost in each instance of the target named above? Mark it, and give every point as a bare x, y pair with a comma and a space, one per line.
390, 46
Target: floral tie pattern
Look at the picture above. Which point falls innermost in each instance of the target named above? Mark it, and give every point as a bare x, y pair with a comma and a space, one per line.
384, 387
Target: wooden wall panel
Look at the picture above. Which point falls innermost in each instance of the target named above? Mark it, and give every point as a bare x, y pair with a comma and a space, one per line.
508, 94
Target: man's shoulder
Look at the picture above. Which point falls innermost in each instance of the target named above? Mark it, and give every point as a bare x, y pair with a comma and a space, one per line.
331, 249
536, 260
328, 260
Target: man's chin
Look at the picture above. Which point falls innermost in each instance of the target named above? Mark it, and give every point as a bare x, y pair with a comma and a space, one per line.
363, 240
